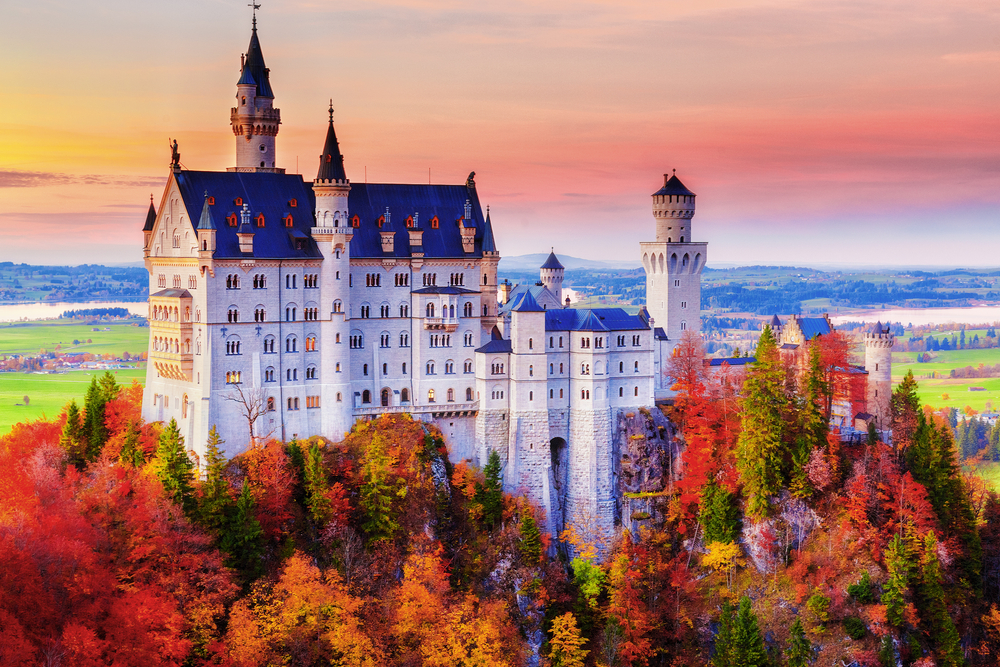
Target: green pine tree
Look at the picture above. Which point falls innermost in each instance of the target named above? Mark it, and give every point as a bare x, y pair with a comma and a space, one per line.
748, 644
531, 539
241, 537
720, 514
489, 494
95, 432
316, 485
722, 655
759, 449
933, 610
214, 500
72, 440
897, 562
799, 649
379, 490
131, 453
174, 468
812, 425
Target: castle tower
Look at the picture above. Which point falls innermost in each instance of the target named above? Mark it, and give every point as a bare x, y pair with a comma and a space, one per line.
333, 232
529, 460
254, 119
551, 274
878, 362
673, 262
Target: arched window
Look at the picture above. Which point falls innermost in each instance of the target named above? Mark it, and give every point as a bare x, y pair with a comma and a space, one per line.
269, 345
338, 306
233, 314
531, 371
430, 368
270, 404
531, 344
637, 391
366, 396
468, 394
364, 369
404, 395
291, 344
467, 309
451, 395
310, 343
430, 395
430, 310
621, 391
637, 367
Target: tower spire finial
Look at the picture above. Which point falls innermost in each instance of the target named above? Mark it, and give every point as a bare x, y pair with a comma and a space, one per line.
331, 111
255, 8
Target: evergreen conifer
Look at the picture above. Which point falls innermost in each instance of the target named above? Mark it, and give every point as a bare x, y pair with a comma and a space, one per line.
316, 484
214, 500
95, 432
378, 491
174, 468
531, 539
933, 610
720, 514
241, 536
489, 494
722, 655
799, 649
72, 440
748, 644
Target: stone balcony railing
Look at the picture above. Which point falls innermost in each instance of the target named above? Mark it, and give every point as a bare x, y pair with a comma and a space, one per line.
448, 324
443, 408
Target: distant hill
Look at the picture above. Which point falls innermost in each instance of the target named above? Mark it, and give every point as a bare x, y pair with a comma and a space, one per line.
535, 260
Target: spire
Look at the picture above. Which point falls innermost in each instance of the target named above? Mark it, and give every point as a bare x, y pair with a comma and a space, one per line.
489, 245
254, 63
206, 216
672, 186
150, 216
331, 162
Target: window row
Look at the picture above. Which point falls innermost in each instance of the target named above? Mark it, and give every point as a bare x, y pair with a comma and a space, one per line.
161, 281
171, 345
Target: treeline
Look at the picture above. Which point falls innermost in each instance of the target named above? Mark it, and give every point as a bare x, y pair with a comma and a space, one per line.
96, 312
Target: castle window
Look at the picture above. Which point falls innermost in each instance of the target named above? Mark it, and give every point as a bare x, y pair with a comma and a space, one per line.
355, 222
677, 283
468, 394
293, 203
552, 393
621, 366
258, 315
404, 368
684, 326
449, 367
430, 368
269, 374
288, 220
232, 220
364, 369
430, 310
531, 395
876, 366
312, 401
177, 240
238, 202
584, 369
467, 366
270, 404
357, 342
451, 395
404, 395
435, 223
336, 368
177, 282
269, 345
366, 396
637, 367
560, 369
430, 395
384, 310
531, 344
289, 313
260, 220
560, 393
233, 315
684, 304
233, 377
384, 340
636, 391
366, 312
404, 340
467, 310
338, 306
584, 394
682, 239
310, 343
192, 282
339, 398
621, 391
291, 344
531, 371
385, 369
233, 346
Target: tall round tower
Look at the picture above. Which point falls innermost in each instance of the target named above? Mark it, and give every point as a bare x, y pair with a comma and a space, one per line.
673, 208
551, 275
878, 362
254, 119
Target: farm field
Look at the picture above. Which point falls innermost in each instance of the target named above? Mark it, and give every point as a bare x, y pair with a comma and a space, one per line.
31, 337
990, 472
947, 392
49, 392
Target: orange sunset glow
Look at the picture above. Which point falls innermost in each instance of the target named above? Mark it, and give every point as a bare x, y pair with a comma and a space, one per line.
825, 131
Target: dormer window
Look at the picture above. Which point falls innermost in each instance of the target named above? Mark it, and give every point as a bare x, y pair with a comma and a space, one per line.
409, 222
292, 203
238, 201
434, 222
231, 219
288, 220
381, 221
211, 201
355, 222
260, 219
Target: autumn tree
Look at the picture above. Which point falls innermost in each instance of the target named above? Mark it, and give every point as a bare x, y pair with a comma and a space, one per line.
531, 539
898, 563
566, 644
252, 403
316, 484
812, 425
174, 469
489, 493
627, 609
380, 488
759, 449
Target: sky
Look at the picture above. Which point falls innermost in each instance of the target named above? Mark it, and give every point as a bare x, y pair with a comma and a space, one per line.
816, 131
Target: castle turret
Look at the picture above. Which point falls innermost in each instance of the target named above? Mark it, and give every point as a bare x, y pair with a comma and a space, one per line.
674, 262
254, 119
878, 362
551, 274
333, 231
206, 238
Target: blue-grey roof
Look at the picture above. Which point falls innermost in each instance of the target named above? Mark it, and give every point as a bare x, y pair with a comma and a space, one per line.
446, 289
272, 194
267, 193
527, 304
246, 78
877, 328
331, 162
519, 290
593, 319
659, 333
672, 186
813, 326
734, 361
489, 245
369, 200
173, 293
775, 322
552, 262
495, 346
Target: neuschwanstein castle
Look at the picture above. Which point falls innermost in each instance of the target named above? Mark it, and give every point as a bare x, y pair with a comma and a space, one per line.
303, 306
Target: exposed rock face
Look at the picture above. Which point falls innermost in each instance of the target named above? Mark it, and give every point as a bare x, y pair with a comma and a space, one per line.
646, 448
769, 542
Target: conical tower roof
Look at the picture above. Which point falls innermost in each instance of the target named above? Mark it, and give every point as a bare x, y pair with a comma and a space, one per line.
206, 216
331, 162
150, 216
489, 245
672, 186
254, 62
552, 262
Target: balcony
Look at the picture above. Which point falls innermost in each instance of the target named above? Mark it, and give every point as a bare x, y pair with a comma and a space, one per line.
448, 324
443, 409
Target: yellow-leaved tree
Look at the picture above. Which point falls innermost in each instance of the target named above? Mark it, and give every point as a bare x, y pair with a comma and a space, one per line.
566, 645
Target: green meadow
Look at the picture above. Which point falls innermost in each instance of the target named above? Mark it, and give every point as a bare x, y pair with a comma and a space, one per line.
946, 392
32, 337
49, 392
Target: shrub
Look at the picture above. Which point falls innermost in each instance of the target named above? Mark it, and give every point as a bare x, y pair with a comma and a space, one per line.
854, 627
819, 606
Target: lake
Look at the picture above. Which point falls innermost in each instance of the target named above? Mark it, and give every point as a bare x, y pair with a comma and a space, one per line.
17, 312
917, 316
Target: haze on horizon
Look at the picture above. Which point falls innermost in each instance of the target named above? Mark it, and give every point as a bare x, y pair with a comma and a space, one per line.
831, 131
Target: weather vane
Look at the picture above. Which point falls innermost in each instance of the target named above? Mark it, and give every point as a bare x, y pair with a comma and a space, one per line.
255, 8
